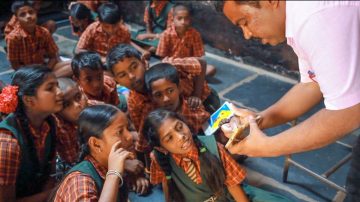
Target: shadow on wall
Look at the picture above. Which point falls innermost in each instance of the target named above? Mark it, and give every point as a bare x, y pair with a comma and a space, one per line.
218, 32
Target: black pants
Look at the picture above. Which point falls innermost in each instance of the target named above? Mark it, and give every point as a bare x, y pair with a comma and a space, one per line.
353, 178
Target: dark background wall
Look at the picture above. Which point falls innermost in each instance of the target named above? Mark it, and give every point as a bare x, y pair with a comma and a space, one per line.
219, 33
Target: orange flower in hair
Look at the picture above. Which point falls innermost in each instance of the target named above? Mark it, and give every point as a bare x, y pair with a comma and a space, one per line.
8, 99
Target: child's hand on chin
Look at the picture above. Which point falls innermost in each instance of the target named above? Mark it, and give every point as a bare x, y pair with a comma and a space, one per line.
117, 158
134, 166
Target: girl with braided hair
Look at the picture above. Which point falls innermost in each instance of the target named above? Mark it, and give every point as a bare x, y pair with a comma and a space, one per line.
190, 168
28, 134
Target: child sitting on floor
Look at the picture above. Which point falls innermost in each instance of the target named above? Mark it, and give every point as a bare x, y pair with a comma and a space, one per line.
190, 167
181, 40
50, 25
163, 85
74, 101
158, 16
80, 18
106, 154
29, 139
89, 74
30, 44
195, 168
106, 33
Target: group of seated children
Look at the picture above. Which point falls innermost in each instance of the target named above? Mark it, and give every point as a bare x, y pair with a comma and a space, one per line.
144, 146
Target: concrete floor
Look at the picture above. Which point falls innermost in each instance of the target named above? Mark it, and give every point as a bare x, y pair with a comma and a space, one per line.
257, 89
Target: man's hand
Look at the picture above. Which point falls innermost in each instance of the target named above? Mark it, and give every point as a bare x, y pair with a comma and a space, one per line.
252, 144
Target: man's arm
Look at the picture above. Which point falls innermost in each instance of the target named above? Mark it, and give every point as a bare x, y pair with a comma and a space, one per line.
297, 101
323, 128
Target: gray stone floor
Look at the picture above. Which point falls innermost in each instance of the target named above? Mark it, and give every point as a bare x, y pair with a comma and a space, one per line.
248, 86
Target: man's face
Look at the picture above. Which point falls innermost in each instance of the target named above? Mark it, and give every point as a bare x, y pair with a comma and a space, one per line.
266, 22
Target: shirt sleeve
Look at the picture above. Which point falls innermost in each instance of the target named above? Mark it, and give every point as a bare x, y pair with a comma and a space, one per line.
9, 158
198, 46
163, 46
51, 47
77, 187
13, 52
234, 173
86, 39
330, 40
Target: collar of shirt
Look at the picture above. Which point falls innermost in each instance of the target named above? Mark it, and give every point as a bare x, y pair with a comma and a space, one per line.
100, 169
25, 34
44, 130
143, 99
193, 154
174, 33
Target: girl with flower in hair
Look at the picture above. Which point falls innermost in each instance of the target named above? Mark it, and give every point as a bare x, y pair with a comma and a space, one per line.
28, 134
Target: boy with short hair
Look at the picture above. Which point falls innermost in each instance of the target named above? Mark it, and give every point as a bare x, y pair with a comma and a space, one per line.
181, 40
50, 25
74, 101
30, 44
106, 33
89, 74
162, 83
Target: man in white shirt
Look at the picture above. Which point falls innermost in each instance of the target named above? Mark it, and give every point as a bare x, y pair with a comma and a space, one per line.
326, 38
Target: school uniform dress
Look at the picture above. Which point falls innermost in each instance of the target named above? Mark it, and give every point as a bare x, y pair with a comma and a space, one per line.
26, 167
26, 49
198, 190
160, 16
94, 38
68, 138
172, 45
139, 106
84, 182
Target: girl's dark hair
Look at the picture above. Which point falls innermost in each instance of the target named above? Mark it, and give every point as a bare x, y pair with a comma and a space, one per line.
211, 166
86, 60
161, 71
120, 52
109, 13
29, 79
16, 5
80, 12
92, 122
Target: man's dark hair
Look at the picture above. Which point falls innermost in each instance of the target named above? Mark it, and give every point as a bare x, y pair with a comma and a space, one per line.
219, 5
109, 13
86, 60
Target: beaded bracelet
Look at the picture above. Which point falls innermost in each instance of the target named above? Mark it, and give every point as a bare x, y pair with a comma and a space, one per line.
114, 172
